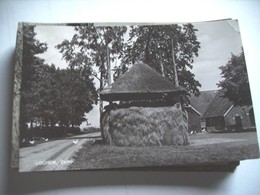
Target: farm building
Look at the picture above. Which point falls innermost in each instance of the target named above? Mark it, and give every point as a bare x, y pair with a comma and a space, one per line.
201, 102
148, 112
196, 109
194, 119
222, 114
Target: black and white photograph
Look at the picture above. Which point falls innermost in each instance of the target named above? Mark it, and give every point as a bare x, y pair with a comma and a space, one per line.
93, 96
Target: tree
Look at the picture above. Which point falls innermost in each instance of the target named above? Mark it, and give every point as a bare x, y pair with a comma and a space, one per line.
75, 95
94, 47
236, 84
43, 87
51, 96
166, 48
30, 61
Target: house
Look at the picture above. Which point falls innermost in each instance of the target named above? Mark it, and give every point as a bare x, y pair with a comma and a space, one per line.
196, 109
194, 119
201, 102
222, 114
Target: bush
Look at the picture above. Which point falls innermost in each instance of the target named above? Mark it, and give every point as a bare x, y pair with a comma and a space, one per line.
50, 132
90, 129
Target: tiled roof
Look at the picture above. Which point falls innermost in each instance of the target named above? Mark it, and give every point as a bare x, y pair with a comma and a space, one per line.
218, 106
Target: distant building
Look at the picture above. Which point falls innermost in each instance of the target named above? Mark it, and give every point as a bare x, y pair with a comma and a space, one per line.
194, 119
201, 102
196, 109
222, 114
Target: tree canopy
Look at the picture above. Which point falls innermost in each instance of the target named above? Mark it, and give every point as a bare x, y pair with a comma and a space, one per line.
31, 47
235, 81
49, 95
94, 47
156, 45
162, 47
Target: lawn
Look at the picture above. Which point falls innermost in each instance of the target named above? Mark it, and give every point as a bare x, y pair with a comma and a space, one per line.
204, 149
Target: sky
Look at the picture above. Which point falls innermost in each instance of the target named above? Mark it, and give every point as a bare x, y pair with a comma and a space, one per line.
53, 35
218, 40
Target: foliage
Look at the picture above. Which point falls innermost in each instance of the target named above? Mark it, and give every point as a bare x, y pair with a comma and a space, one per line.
94, 47
156, 45
50, 96
75, 94
31, 47
90, 130
89, 47
151, 44
235, 84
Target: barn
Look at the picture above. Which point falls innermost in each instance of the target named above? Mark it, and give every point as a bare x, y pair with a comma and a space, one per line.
222, 114
144, 109
194, 119
198, 106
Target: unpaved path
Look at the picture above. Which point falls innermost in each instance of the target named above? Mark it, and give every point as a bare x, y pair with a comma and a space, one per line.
52, 155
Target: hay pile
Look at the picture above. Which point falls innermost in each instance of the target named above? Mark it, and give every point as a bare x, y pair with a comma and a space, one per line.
146, 126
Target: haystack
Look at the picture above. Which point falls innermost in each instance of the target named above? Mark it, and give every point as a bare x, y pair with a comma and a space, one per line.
146, 126
151, 114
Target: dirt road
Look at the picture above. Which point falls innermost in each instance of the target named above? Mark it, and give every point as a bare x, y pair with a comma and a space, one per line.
52, 155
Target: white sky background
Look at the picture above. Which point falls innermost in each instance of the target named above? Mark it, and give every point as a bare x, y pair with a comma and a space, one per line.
218, 40
53, 35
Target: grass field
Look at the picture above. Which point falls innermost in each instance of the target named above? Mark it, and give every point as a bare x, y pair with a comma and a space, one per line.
204, 148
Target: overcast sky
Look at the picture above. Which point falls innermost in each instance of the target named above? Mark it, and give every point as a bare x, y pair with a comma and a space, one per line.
218, 40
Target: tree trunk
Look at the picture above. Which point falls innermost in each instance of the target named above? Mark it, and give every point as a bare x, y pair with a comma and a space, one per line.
101, 88
162, 68
108, 68
146, 53
176, 81
100, 101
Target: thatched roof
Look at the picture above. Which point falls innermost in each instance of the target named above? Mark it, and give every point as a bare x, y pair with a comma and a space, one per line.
218, 106
140, 82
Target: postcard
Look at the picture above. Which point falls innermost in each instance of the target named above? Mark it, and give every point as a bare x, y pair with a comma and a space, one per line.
92, 96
